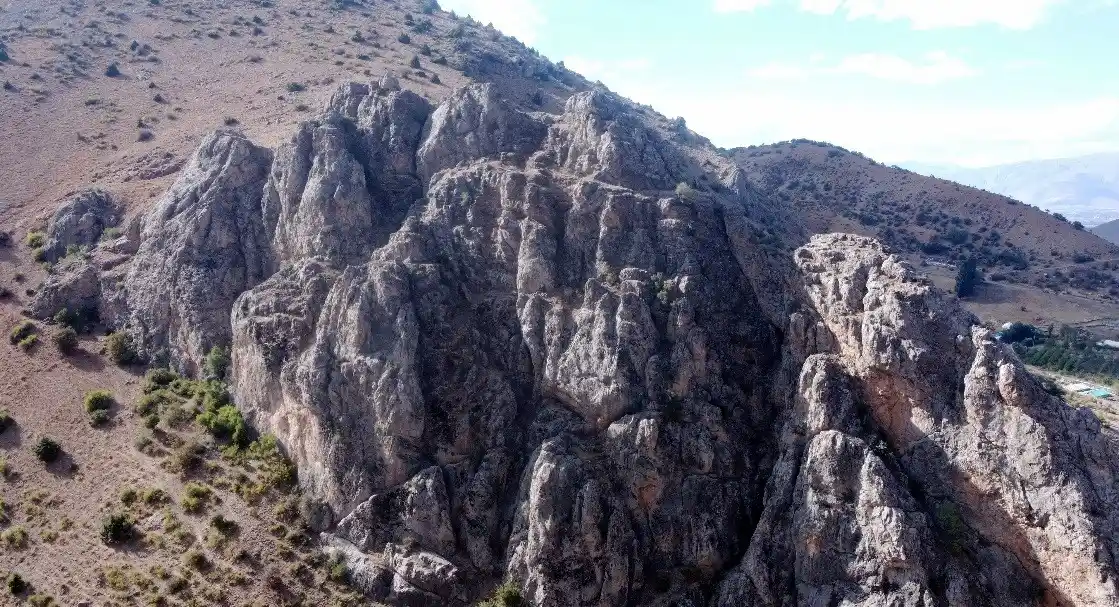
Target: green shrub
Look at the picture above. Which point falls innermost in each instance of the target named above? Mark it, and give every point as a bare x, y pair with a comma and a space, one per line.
117, 528
35, 240
153, 496
47, 450
216, 363
98, 418
296, 87
404, 38
66, 318
505, 595
159, 378
225, 423
23, 330
119, 348
28, 342
41, 600
98, 400
153, 404
196, 559
187, 457
14, 537
5, 420
337, 570
66, 340
16, 584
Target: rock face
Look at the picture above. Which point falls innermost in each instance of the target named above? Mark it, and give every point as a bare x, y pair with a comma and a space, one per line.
561, 349
79, 223
201, 246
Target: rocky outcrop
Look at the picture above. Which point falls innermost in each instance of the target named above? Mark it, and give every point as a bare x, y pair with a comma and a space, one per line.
201, 245
79, 223
503, 344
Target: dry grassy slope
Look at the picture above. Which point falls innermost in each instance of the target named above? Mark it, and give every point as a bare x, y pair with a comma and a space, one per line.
206, 63
843, 183
68, 127
61, 505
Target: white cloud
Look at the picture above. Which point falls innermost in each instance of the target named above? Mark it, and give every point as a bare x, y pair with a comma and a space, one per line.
938, 67
933, 68
886, 127
921, 14
608, 71
519, 18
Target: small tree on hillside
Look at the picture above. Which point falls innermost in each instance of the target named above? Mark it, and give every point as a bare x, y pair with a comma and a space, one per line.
967, 278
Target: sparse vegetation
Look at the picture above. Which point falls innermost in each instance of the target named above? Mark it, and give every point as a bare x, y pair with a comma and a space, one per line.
1067, 350
66, 340
216, 363
16, 584
47, 450
15, 538
119, 348
505, 595
112, 71
98, 418
117, 528
5, 420
195, 496
296, 87
98, 400
22, 331
35, 240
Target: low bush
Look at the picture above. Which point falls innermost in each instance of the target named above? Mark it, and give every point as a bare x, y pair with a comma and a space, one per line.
186, 457
23, 330
28, 342
98, 418
47, 449
36, 239
197, 560
505, 595
66, 340
119, 348
16, 584
5, 420
117, 528
112, 71
98, 400
216, 363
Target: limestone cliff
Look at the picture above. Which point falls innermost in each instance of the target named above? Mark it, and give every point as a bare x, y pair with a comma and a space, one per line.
559, 349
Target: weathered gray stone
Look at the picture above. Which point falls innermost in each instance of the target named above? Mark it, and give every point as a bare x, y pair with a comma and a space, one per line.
78, 224
502, 345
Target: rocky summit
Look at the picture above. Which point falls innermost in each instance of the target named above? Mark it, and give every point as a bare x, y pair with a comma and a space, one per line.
556, 348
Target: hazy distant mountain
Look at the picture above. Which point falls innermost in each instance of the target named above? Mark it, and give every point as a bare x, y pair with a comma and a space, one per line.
1084, 189
1108, 231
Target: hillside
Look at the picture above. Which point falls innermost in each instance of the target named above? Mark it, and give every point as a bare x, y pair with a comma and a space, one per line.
390, 309
1083, 188
1108, 231
933, 220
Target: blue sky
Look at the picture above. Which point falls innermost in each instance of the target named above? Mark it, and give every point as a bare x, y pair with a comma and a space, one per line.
972, 82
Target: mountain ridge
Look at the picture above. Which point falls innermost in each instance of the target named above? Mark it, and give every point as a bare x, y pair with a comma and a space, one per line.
521, 332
